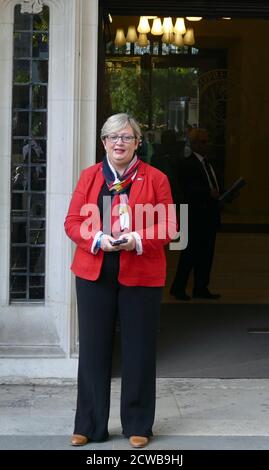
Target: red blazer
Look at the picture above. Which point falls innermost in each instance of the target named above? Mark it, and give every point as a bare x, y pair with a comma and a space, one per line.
147, 269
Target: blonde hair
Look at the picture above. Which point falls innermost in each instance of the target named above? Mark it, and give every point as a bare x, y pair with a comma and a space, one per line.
117, 122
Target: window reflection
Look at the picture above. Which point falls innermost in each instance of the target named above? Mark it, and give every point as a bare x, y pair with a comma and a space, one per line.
37, 260
21, 71
17, 155
38, 178
22, 44
20, 178
18, 287
22, 22
19, 204
20, 123
40, 71
40, 45
39, 96
21, 97
19, 259
37, 208
19, 232
39, 124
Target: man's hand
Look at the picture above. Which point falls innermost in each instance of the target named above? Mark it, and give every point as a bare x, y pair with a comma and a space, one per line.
214, 193
232, 197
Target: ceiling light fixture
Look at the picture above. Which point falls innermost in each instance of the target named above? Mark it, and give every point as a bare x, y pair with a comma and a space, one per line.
194, 18
172, 33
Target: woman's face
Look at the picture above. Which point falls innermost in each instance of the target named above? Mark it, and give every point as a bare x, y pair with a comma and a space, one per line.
120, 147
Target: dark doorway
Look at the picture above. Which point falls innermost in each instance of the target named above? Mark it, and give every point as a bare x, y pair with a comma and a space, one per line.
226, 339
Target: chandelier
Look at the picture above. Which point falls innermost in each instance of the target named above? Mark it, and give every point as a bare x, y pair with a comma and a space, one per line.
169, 31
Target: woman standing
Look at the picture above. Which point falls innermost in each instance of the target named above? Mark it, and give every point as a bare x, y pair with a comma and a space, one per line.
118, 279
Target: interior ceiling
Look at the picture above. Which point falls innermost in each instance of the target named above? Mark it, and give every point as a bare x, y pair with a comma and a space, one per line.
208, 32
205, 8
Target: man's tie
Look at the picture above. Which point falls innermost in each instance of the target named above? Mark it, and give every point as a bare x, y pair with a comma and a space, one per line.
211, 176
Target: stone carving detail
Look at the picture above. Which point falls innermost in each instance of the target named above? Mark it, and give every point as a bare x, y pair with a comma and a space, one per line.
31, 6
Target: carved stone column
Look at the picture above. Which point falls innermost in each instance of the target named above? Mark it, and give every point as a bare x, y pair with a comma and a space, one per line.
31, 6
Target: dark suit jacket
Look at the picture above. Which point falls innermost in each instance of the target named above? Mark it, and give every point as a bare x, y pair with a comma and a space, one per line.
203, 209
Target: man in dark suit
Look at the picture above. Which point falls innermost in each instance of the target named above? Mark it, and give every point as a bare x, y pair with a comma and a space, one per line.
200, 190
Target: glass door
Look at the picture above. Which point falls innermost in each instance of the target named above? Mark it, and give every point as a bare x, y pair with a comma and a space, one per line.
168, 95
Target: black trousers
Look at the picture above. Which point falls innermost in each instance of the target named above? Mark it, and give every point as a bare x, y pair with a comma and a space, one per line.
99, 303
198, 256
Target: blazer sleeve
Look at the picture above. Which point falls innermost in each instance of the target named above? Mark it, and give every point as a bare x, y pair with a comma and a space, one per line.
82, 222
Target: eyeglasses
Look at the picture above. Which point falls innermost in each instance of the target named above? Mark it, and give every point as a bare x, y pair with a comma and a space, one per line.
126, 139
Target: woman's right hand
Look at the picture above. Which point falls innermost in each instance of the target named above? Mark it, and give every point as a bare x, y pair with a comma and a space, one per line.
106, 245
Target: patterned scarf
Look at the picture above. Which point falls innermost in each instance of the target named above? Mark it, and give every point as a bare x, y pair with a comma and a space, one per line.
118, 185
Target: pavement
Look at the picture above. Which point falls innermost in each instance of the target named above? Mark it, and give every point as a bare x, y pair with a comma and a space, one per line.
200, 414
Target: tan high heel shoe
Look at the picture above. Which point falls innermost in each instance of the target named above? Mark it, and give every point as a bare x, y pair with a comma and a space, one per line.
79, 440
138, 441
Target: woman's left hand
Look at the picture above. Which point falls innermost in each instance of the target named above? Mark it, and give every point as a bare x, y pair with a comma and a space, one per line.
130, 245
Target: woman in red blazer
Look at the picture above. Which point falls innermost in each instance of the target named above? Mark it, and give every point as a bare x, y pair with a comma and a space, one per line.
126, 201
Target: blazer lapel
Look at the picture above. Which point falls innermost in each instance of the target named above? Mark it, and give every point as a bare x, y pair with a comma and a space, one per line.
137, 184
98, 183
